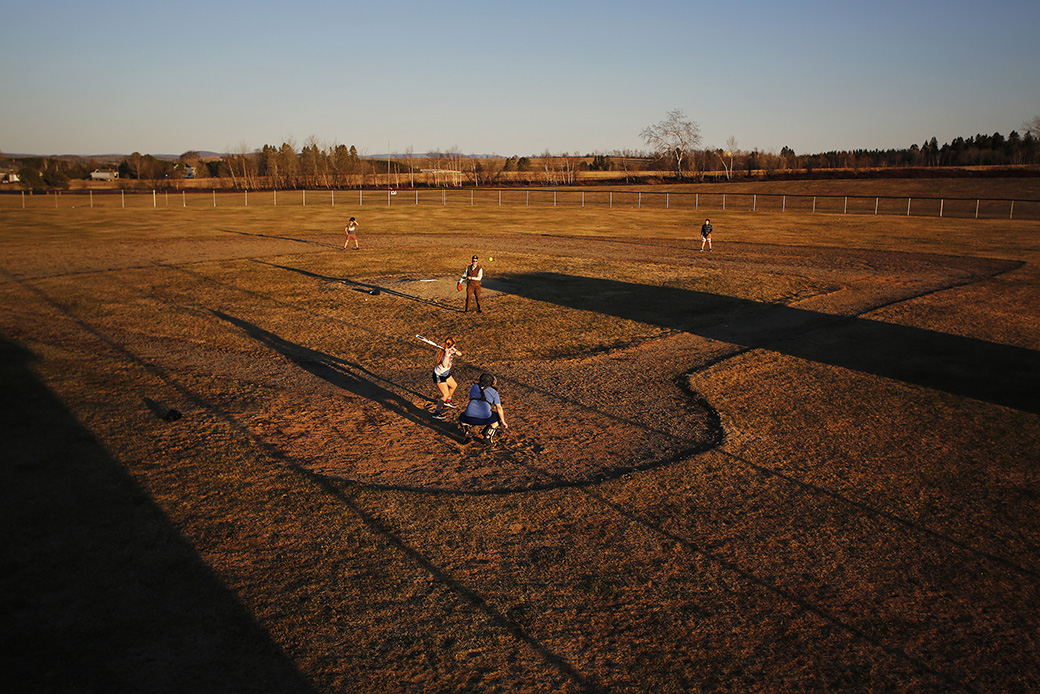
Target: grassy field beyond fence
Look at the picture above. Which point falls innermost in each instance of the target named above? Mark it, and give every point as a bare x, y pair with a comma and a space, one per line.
1016, 199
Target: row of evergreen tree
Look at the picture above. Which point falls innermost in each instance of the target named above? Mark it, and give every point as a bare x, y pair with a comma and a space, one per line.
979, 150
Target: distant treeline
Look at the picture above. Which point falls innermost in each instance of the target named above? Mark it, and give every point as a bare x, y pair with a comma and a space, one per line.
339, 166
979, 150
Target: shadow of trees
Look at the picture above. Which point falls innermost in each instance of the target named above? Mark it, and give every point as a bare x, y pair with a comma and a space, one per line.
98, 591
996, 373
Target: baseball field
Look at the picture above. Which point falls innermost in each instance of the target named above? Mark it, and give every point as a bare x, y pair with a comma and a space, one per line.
807, 460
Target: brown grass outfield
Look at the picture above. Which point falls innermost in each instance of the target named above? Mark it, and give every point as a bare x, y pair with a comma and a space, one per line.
867, 521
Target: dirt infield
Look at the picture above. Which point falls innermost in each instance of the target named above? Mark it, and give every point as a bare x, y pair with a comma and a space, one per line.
804, 461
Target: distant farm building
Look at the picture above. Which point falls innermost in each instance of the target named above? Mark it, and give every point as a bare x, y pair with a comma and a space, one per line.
9, 177
99, 175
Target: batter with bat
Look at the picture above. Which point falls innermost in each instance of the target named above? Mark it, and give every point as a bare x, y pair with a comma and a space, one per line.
442, 377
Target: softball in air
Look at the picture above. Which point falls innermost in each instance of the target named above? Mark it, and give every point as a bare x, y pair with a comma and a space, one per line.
490, 258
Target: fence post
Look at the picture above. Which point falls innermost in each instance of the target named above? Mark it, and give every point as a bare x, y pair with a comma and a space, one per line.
723, 201
666, 206
814, 204
361, 197
23, 199
639, 201
976, 209
908, 207
554, 198
1012, 210
876, 205
696, 201
333, 191
275, 191
246, 196
583, 199
784, 208
942, 202
184, 199
444, 197
611, 198
154, 202
754, 203
416, 197
214, 197
528, 198
846, 210
305, 197
499, 198
92, 199
122, 198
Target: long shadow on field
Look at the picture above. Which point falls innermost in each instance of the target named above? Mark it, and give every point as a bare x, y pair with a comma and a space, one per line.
98, 591
1000, 374
342, 374
467, 595
363, 287
275, 236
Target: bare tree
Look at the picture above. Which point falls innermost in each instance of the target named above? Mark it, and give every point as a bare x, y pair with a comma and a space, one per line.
488, 171
1033, 127
731, 148
135, 163
313, 162
409, 154
549, 165
674, 136
570, 163
629, 160
241, 164
455, 164
448, 164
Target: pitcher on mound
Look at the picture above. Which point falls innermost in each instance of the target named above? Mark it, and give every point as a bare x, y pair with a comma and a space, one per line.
472, 276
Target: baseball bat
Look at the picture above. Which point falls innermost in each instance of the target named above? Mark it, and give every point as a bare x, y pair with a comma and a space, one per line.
429, 342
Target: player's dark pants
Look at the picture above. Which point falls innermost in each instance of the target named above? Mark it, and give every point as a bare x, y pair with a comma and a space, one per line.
473, 289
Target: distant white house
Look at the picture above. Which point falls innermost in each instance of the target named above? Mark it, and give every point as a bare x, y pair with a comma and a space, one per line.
99, 175
9, 178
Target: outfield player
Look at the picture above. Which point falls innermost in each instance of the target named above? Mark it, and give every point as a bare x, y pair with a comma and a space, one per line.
351, 230
706, 234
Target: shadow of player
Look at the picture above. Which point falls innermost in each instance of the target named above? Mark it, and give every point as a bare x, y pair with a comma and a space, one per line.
347, 376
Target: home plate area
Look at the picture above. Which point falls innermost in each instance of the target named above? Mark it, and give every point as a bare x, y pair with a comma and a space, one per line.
392, 441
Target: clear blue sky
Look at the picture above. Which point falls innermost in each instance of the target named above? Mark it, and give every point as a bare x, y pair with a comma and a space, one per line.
510, 77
